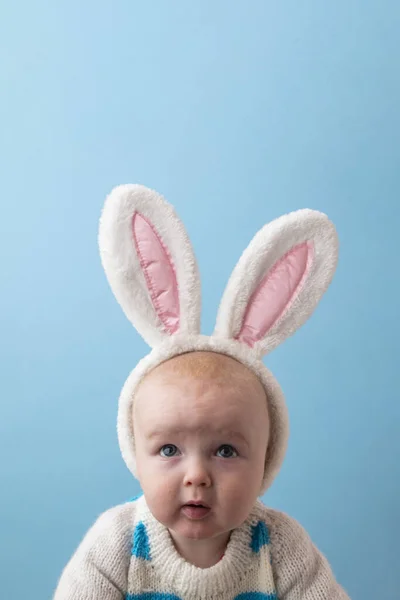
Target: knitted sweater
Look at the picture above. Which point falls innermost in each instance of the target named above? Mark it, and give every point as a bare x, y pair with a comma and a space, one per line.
129, 555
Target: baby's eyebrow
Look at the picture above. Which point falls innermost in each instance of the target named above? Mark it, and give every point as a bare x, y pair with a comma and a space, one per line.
224, 432
232, 434
163, 431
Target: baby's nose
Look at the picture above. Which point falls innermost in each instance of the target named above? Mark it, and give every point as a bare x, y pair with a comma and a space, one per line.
197, 475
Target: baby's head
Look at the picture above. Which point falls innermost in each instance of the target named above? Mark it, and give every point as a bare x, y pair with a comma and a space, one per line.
201, 426
201, 429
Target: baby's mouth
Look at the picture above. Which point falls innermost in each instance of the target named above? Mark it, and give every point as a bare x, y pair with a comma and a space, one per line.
195, 511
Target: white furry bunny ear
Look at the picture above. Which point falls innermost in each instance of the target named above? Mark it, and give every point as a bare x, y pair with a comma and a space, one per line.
149, 263
279, 280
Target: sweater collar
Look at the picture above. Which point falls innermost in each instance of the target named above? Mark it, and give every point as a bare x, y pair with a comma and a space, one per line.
188, 579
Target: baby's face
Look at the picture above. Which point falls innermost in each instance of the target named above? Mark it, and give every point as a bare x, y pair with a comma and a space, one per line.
201, 438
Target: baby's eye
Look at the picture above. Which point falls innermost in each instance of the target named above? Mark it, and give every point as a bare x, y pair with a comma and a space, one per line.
227, 451
168, 451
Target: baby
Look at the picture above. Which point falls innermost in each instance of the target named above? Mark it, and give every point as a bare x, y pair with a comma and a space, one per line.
202, 422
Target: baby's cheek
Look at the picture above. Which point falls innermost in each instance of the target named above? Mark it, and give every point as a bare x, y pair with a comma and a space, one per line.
240, 490
232, 483
158, 500
163, 490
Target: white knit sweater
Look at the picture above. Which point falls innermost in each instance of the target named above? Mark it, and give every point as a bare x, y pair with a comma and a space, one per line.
129, 555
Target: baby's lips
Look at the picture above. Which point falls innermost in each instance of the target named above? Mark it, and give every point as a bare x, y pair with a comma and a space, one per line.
197, 503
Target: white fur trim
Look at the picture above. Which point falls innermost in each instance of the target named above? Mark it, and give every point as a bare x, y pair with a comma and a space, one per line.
279, 427
267, 247
123, 269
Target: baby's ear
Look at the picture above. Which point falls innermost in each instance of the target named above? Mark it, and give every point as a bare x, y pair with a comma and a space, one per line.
149, 263
279, 280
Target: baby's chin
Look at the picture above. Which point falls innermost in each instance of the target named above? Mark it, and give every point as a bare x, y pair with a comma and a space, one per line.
197, 533
178, 524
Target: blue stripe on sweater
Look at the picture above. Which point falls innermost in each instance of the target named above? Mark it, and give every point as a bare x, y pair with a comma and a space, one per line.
141, 544
260, 536
134, 498
162, 596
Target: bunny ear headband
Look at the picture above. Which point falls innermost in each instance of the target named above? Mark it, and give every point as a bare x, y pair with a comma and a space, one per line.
274, 288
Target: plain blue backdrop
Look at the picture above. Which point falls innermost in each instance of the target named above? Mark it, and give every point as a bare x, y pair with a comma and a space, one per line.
237, 112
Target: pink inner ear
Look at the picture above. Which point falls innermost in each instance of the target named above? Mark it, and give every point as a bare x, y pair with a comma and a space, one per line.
159, 272
276, 293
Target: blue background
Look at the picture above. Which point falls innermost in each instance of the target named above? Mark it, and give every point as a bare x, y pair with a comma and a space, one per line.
237, 112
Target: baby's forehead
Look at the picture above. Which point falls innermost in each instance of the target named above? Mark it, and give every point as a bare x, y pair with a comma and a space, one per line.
204, 366
184, 389
173, 394
206, 410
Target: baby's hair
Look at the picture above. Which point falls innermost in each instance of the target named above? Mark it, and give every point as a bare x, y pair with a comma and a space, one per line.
208, 366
